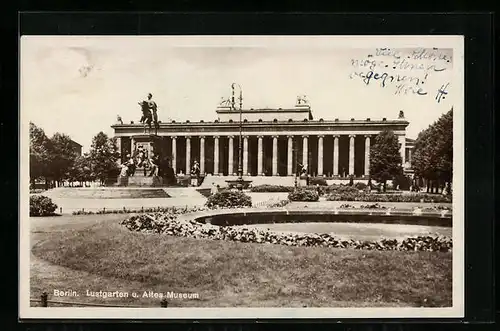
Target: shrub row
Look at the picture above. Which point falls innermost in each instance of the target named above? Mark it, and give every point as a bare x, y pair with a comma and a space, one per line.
271, 188
167, 223
301, 194
41, 206
229, 199
368, 197
321, 188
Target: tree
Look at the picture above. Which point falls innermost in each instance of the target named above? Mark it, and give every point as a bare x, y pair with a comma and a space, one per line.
63, 155
433, 155
81, 169
385, 158
103, 157
39, 154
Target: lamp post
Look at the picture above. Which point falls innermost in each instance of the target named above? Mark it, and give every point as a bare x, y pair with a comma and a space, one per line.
239, 186
295, 152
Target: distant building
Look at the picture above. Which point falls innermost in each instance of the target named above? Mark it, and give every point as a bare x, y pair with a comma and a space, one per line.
77, 147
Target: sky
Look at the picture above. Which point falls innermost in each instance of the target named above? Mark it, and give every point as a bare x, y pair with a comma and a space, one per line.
78, 85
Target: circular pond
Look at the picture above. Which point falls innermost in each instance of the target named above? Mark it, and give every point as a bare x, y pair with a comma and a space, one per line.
354, 224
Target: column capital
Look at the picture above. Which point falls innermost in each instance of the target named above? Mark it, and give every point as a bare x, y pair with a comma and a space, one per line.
336, 136
275, 136
201, 137
368, 136
289, 136
260, 136
321, 136
188, 137
352, 136
246, 136
216, 137
231, 137
305, 136
174, 137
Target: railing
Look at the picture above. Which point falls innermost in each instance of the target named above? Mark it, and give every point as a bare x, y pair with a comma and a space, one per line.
44, 302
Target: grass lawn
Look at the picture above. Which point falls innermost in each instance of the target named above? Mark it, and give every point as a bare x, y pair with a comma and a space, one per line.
106, 256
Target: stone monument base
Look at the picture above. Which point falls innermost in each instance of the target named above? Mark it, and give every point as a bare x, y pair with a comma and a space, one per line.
122, 181
139, 180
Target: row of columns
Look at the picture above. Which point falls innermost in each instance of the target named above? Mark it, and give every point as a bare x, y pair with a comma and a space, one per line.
260, 154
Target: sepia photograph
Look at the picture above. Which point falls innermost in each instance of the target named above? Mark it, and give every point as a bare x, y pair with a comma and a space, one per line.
241, 177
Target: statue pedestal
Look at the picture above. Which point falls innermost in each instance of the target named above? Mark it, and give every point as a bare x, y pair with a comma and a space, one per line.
122, 181
194, 181
139, 180
302, 181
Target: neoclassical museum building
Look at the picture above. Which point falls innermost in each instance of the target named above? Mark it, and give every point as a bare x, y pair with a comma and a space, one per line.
273, 142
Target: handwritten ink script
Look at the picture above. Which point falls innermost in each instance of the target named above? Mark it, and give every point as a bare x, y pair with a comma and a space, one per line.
405, 71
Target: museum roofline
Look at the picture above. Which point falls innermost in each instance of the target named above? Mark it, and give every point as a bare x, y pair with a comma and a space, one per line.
311, 123
263, 110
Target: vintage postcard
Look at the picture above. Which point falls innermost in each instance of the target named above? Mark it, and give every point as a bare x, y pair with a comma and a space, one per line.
241, 177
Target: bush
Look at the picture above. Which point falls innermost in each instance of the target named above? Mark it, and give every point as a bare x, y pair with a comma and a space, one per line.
229, 199
303, 195
41, 206
271, 188
347, 189
360, 185
362, 196
333, 188
402, 182
318, 181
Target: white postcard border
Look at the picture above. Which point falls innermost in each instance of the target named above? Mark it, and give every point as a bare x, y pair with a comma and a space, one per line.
457, 311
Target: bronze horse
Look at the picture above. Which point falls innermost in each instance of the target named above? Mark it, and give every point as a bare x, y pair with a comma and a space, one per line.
147, 117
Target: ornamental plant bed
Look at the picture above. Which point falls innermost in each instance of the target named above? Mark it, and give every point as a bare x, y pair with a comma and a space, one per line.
369, 197
169, 224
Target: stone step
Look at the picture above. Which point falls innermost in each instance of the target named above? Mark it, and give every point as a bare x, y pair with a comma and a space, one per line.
107, 193
256, 180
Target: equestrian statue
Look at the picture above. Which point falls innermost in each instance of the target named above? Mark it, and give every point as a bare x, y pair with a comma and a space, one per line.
149, 114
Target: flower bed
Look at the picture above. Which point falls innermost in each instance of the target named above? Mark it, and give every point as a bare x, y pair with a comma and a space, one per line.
174, 210
167, 223
373, 206
281, 203
370, 197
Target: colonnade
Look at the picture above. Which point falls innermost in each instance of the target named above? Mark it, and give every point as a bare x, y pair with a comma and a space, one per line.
232, 166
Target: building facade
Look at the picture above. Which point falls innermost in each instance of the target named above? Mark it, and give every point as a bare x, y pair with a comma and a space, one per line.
273, 142
76, 147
